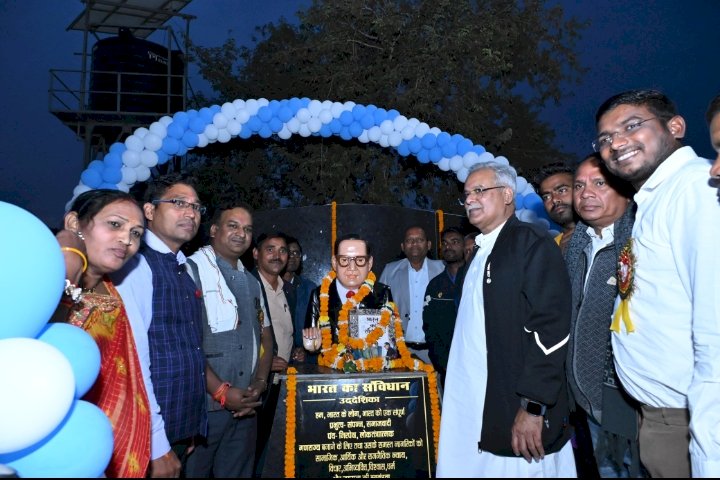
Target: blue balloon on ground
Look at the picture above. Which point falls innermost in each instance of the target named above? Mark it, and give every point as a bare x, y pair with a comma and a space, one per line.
81, 446
32, 276
79, 348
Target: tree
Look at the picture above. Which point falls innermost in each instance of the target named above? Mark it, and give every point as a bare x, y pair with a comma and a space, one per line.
482, 69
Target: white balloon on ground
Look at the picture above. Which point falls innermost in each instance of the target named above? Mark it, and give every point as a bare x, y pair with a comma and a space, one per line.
27, 417
251, 106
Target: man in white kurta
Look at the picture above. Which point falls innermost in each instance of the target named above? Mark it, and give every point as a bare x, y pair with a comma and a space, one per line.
489, 202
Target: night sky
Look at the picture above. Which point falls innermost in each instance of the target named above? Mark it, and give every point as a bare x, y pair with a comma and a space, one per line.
660, 44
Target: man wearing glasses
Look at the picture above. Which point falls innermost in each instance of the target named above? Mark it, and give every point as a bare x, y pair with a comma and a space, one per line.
505, 405
554, 185
352, 263
408, 279
164, 309
666, 328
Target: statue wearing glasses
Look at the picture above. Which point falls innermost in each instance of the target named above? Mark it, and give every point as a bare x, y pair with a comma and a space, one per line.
352, 264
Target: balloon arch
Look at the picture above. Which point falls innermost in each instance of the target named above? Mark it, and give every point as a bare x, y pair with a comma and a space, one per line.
129, 162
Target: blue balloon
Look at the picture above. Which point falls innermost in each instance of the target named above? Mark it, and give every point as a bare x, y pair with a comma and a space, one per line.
81, 446
380, 115
519, 199
403, 149
435, 154
175, 130
96, 165
295, 105
79, 348
182, 150
443, 138
111, 175
391, 114
91, 177
170, 145
206, 114
275, 124
162, 157
265, 132
246, 132
197, 125
284, 113
335, 126
449, 149
108, 186
265, 114
192, 113
368, 120
355, 129
532, 201
423, 156
464, 146
358, 111
325, 131
345, 134
346, 118
254, 124
33, 258
429, 141
182, 119
214, 109
479, 149
118, 147
113, 160
415, 145
190, 139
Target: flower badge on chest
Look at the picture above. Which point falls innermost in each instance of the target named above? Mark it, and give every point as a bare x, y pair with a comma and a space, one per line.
626, 286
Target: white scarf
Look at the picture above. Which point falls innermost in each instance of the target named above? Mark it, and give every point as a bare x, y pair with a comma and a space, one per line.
220, 303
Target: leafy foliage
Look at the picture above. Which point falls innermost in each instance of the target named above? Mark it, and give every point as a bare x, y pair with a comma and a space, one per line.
483, 69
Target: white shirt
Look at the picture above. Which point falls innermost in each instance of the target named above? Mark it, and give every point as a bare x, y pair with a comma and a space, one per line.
673, 357
134, 283
596, 244
417, 284
280, 317
465, 387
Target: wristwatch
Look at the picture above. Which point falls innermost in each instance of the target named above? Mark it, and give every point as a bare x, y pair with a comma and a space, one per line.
536, 409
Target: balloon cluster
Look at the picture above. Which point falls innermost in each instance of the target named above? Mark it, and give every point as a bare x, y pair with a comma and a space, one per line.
130, 162
45, 430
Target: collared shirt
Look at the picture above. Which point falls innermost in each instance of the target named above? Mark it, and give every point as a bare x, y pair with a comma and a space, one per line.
673, 357
280, 316
596, 244
134, 283
417, 284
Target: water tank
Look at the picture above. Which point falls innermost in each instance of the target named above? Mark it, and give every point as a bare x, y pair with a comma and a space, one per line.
129, 74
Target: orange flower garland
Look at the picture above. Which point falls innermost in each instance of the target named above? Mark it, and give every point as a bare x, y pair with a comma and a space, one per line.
290, 423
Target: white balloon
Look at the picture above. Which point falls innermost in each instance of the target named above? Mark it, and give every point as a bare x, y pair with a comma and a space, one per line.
456, 163
422, 129
435, 131
444, 164
165, 121
142, 173
81, 188
384, 141
387, 127
158, 129
314, 107
314, 125
223, 135
228, 109
141, 132
408, 132
242, 116
374, 134
234, 127
284, 133
131, 158
325, 116
462, 174
400, 122
470, 159
528, 189
349, 105
122, 187
251, 106
238, 104
327, 104
129, 177
413, 122
303, 115
148, 158
304, 130
336, 109
293, 125
134, 143
220, 120
202, 140
520, 184
394, 139
152, 142
29, 366
263, 102
211, 131
502, 160
485, 157
364, 137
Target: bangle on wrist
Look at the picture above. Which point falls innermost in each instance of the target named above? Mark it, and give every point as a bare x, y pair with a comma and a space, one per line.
219, 395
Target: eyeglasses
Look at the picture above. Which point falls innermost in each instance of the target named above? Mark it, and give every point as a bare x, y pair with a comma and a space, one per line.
344, 261
182, 205
479, 192
604, 141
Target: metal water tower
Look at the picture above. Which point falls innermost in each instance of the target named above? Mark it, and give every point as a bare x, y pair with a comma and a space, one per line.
125, 81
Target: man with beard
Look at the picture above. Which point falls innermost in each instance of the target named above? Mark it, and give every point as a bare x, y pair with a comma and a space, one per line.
667, 318
554, 185
505, 405
238, 346
408, 278
165, 312
442, 298
713, 119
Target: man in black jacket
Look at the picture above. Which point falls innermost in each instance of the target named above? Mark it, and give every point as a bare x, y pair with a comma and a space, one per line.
505, 402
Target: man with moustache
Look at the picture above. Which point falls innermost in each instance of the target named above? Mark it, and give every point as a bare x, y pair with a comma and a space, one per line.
164, 307
603, 204
297, 291
713, 120
442, 298
505, 406
667, 317
408, 278
554, 185
238, 346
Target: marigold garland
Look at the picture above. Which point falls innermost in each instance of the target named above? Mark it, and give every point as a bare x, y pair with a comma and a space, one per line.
441, 225
290, 422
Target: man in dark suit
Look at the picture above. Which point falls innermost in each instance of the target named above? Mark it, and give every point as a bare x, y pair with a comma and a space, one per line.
352, 262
